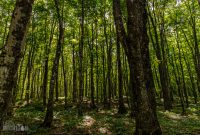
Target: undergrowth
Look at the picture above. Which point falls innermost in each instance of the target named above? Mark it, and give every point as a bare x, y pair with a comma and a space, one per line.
100, 121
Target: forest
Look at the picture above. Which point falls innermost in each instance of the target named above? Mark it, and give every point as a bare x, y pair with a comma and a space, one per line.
95, 67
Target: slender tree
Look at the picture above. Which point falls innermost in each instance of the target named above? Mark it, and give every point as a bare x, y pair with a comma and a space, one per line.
159, 47
91, 70
122, 108
81, 76
49, 113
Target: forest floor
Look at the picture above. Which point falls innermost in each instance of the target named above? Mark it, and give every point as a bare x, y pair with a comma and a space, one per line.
101, 121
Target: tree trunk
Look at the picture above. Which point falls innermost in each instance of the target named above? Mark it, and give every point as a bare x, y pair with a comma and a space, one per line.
12, 52
191, 79
121, 109
81, 75
30, 67
109, 72
92, 88
178, 82
196, 56
105, 100
134, 43
97, 65
56, 87
46, 68
74, 95
162, 67
49, 113
65, 78
181, 68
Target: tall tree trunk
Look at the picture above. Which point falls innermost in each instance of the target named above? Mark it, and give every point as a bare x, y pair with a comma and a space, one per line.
191, 79
134, 43
24, 77
181, 68
196, 43
104, 92
49, 113
109, 71
162, 67
164, 78
46, 66
81, 76
92, 88
121, 109
30, 67
97, 65
65, 78
74, 95
12, 52
178, 81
